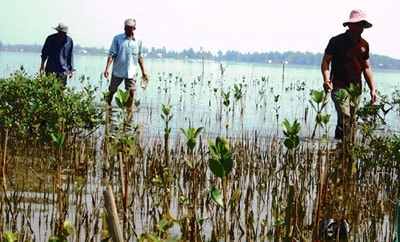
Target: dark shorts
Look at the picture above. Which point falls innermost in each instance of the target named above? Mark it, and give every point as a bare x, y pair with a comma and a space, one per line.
130, 83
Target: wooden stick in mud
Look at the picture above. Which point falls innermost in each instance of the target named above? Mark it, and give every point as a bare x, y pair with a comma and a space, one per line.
112, 215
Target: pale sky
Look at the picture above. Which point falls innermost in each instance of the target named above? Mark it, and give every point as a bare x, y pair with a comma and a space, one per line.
246, 26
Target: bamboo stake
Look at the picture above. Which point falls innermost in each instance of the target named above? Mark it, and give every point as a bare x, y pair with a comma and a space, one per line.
112, 215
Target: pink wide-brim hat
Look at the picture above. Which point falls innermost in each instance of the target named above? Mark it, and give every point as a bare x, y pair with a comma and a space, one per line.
357, 16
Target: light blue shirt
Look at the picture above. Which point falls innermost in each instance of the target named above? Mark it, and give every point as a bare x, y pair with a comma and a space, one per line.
126, 53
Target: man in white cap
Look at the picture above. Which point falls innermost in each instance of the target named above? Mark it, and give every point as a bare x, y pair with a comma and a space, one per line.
58, 55
348, 56
126, 53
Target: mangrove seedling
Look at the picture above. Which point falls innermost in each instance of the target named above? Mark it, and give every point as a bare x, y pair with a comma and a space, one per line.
220, 164
9, 236
318, 102
291, 132
166, 116
67, 230
291, 143
226, 102
191, 135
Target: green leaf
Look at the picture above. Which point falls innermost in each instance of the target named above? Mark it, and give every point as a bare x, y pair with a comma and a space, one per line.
213, 150
123, 98
286, 127
325, 138
216, 197
292, 143
9, 236
296, 128
354, 90
341, 95
318, 96
220, 162
164, 224
216, 168
191, 143
326, 118
191, 135
228, 164
58, 140
318, 118
184, 132
68, 228
288, 143
198, 131
166, 109
189, 163
131, 142
313, 106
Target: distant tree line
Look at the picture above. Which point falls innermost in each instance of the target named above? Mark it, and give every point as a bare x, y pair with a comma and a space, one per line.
274, 57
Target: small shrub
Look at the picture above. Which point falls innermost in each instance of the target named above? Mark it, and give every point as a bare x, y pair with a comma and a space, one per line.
38, 106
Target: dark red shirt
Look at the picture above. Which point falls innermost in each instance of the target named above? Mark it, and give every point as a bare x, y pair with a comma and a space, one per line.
348, 60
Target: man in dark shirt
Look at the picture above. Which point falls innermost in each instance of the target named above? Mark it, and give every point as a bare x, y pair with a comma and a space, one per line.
348, 56
58, 52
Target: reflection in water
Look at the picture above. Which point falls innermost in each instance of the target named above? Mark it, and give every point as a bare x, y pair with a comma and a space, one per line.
259, 188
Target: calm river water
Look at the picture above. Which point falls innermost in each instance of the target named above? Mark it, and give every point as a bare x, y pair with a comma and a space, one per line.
193, 88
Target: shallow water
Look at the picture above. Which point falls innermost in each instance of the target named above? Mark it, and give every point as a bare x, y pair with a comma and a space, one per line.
366, 202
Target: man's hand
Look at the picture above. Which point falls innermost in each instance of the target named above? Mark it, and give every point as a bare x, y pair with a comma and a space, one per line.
374, 96
145, 76
327, 86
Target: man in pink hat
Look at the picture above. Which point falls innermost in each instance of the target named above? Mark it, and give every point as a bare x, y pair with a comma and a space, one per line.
348, 56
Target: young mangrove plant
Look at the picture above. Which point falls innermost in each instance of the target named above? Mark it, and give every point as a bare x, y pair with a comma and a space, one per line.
9, 236
166, 116
62, 236
58, 143
238, 97
162, 183
226, 102
262, 92
123, 99
191, 140
276, 108
349, 124
373, 114
319, 100
221, 164
354, 94
292, 140
342, 96
127, 147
